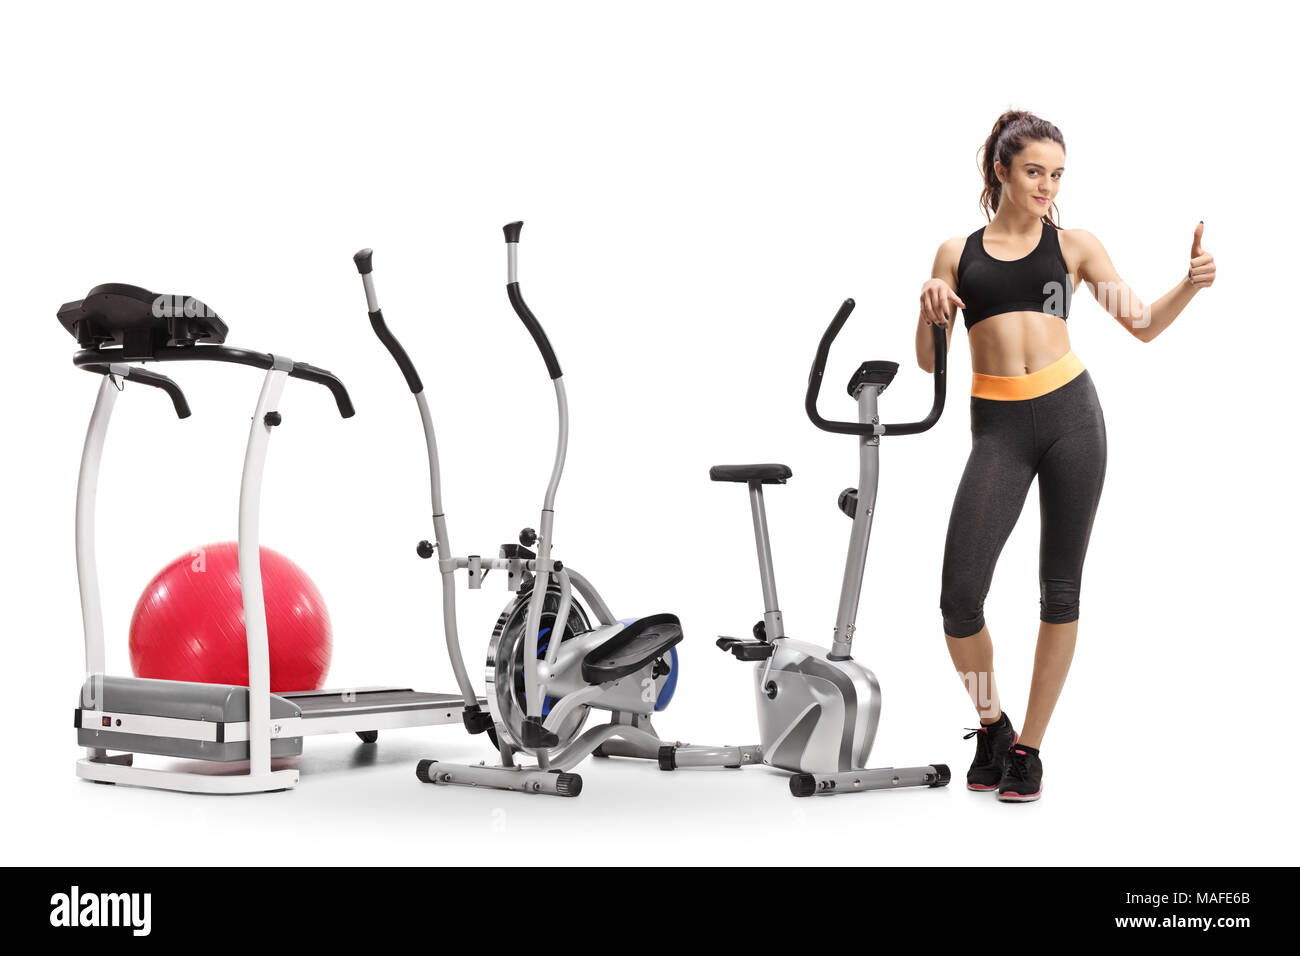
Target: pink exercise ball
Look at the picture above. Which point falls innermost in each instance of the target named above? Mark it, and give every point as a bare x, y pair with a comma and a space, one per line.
189, 622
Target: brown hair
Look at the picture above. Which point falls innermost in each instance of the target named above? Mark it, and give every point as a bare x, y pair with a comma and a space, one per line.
1014, 130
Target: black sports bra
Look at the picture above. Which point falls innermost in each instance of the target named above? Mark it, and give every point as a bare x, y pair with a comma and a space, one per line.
1039, 282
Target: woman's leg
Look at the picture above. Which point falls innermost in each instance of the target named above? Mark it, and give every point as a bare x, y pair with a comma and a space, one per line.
1052, 660
1070, 477
988, 503
989, 500
973, 658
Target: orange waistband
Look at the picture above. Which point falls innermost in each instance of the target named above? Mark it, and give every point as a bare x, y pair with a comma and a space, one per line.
1015, 388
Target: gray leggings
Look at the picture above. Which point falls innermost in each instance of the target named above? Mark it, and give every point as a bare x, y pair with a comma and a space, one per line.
1059, 436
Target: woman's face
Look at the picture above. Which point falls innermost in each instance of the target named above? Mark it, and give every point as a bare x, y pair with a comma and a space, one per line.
1034, 178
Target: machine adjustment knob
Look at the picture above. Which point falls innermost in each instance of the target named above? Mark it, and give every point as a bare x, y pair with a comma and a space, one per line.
271, 419
424, 549
528, 537
770, 690
760, 631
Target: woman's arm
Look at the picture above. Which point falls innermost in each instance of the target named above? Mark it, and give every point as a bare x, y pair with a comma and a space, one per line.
939, 303
1143, 322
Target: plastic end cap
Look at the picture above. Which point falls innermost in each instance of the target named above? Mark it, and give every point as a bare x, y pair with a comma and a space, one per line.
803, 785
668, 758
568, 785
512, 230
422, 770
362, 259
942, 775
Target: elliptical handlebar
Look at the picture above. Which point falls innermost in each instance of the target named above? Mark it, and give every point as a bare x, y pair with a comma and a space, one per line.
525, 314
365, 265
863, 429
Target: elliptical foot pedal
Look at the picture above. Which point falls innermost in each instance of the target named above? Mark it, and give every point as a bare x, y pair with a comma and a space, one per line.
640, 643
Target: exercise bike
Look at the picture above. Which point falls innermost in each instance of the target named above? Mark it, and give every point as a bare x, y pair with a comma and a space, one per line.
818, 709
548, 666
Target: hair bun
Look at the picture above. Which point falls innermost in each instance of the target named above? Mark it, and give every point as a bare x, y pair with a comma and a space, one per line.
1012, 131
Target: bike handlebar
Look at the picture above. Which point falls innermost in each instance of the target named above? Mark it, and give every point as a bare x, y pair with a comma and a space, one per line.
859, 428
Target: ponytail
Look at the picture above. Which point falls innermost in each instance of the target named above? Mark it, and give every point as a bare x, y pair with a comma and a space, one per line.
1012, 132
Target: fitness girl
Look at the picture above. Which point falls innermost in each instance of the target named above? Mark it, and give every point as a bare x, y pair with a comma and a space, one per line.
1034, 411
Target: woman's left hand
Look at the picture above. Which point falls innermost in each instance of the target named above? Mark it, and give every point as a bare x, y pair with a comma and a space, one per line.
1201, 271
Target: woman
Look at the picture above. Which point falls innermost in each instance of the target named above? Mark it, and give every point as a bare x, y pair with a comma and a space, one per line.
1034, 411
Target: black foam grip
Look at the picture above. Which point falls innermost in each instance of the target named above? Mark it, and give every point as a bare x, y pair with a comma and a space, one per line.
819, 369
534, 329
167, 385
396, 351
153, 379
309, 373
940, 388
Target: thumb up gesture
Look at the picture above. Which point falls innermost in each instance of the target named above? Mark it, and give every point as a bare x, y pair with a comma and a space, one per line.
1201, 271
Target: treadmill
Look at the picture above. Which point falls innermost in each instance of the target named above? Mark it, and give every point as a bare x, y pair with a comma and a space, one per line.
119, 327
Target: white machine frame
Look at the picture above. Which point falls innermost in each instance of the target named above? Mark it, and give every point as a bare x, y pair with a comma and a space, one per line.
340, 711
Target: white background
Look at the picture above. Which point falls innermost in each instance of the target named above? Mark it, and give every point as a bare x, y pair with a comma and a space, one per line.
702, 184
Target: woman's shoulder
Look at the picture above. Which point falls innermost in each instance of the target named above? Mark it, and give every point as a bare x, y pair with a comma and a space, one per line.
1074, 238
952, 251
954, 247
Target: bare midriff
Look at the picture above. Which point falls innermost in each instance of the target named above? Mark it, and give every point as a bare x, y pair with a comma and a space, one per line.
1017, 343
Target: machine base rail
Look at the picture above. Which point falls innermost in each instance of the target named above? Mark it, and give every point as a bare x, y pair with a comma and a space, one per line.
558, 783
807, 784
855, 781
607, 740
116, 770
674, 758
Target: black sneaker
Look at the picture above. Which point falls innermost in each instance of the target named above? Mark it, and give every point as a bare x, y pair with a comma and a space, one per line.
991, 744
1022, 780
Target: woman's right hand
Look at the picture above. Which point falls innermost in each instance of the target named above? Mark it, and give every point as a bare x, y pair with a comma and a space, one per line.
938, 302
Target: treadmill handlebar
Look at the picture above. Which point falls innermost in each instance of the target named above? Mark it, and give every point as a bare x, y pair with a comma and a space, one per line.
94, 359
310, 373
859, 428
153, 379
